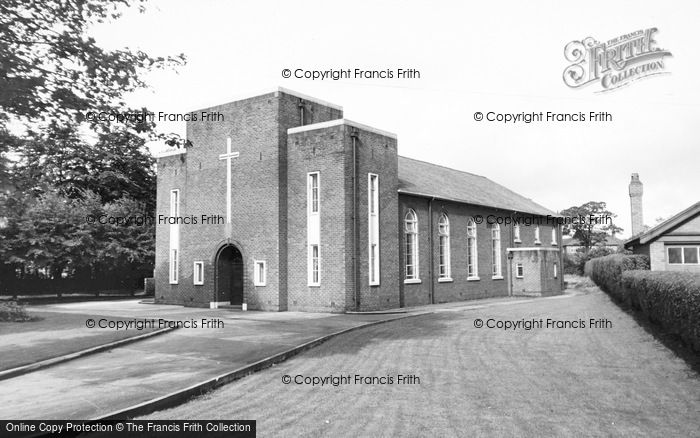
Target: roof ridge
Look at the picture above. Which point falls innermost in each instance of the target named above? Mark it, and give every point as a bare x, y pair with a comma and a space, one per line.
667, 223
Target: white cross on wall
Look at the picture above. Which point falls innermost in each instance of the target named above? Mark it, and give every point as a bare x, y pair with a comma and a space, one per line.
227, 156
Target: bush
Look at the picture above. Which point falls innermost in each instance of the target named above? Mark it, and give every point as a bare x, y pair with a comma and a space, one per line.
671, 299
575, 263
12, 312
606, 272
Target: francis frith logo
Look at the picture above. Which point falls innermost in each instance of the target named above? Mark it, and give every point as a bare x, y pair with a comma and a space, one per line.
616, 62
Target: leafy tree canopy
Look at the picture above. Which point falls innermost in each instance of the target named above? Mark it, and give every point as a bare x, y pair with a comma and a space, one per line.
590, 232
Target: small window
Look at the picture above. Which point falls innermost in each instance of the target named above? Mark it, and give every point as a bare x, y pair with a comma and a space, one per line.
690, 256
683, 255
198, 275
519, 272
675, 255
537, 235
516, 233
554, 236
260, 274
556, 270
173, 266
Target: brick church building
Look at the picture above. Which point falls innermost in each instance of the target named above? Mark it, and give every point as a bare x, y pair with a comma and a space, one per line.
286, 205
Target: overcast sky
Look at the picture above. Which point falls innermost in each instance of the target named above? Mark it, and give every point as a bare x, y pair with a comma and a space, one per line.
505, 56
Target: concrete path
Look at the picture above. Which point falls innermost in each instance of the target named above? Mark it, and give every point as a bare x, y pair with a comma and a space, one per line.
96, 385
116, 379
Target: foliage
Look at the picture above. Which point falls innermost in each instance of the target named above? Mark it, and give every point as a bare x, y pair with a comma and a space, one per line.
52, 69
671, 299
52, 73
575, 263
61, 235
10, 311
606, 272
587, 231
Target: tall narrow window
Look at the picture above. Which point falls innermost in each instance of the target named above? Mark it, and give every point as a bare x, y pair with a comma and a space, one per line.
537, 235
260, 273
411, 240
173, 266
556, 270
313, 192
175, 202
554, 235
516, 234
496, 251
444, 270
315, 271
373, 227
174, 244
472, 255
313, 228
198, 274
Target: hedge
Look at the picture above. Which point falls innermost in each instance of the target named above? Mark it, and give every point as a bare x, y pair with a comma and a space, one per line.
671, 299
607, 271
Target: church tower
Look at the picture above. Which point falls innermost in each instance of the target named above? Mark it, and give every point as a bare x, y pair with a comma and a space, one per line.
636, 190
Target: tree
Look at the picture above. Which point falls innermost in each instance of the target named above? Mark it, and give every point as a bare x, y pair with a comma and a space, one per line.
593, 224
52, 73
53, 70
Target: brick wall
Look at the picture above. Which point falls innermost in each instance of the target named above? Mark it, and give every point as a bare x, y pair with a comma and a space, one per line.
460, 288
322, 151
329, 151
377, 154
259, 192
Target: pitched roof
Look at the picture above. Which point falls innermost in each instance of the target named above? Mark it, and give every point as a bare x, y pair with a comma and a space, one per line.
666, 225
431, 180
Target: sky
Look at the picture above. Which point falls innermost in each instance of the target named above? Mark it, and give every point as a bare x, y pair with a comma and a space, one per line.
501, 57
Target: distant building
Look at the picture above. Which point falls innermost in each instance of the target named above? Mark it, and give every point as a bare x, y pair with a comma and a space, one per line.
672, 245
572, 245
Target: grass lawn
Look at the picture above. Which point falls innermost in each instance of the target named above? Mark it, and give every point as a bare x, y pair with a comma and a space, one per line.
615, 381
51, 335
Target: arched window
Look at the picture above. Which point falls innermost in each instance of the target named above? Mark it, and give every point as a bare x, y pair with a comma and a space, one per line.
411, 236
472, 256
444, 269
554, 235
496, 251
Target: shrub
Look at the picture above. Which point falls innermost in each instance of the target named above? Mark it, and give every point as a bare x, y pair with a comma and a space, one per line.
575, 263
10, 311
606, 272
671, 299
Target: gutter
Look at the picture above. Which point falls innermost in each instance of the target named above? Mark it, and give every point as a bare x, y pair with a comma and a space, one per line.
355, 264
431, 254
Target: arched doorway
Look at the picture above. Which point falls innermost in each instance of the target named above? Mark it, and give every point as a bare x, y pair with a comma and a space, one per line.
229, 275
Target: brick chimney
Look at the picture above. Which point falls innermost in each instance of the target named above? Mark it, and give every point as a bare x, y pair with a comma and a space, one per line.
636, 191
